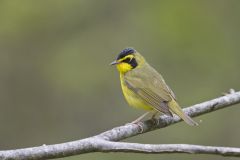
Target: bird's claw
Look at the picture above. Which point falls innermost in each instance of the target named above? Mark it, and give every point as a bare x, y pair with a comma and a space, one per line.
155, 121
140, 125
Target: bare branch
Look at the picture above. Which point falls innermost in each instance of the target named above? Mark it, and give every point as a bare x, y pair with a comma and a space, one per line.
168, 148
131, 130
103, 142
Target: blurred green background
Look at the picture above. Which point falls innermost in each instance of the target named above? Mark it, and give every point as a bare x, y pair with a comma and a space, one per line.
56, 84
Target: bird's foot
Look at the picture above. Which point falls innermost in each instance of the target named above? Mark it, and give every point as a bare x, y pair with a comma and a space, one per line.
138, 123
155, 121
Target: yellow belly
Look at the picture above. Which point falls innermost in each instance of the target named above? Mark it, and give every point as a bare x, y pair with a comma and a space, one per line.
133, 99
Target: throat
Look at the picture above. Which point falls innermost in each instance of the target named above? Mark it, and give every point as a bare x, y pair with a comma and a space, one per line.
124, 67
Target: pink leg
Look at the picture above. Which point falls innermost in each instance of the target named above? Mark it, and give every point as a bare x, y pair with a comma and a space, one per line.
140, 118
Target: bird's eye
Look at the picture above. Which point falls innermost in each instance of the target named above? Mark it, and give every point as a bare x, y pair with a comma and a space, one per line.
127, 60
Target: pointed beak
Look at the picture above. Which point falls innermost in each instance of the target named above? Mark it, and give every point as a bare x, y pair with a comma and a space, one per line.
114, 63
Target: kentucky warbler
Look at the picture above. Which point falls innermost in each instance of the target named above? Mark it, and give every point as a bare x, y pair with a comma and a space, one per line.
143, 87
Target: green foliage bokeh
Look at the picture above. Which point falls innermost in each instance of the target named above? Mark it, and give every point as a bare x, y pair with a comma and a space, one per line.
56, 84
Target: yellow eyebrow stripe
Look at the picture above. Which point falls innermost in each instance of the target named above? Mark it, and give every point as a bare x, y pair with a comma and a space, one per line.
128, 56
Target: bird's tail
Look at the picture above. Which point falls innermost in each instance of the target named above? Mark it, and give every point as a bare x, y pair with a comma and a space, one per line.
175, 108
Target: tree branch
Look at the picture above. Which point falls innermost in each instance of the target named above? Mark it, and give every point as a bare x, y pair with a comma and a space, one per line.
167, 148
106, 142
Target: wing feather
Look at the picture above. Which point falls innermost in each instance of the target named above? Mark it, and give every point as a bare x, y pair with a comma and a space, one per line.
149, 85
150, 98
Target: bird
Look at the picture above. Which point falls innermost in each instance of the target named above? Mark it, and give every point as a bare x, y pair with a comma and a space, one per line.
144, 88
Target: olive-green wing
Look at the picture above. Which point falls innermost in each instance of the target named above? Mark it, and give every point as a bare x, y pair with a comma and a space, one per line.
150, 98
150, 87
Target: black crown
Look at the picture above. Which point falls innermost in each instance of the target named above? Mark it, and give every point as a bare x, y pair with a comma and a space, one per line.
125, 52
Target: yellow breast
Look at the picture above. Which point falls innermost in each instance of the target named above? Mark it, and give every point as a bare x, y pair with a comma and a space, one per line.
133, 99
